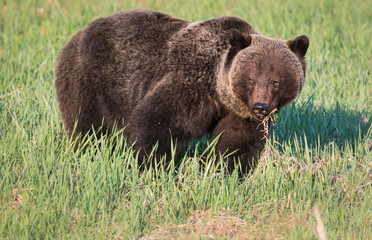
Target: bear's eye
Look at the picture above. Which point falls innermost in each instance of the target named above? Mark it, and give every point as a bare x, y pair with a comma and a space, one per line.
251, 81
276, 84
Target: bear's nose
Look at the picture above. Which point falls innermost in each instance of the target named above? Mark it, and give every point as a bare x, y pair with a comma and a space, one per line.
260, 109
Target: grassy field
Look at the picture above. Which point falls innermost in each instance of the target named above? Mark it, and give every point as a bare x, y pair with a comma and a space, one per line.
319, 153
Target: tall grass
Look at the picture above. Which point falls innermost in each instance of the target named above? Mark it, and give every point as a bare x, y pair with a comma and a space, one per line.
319, 151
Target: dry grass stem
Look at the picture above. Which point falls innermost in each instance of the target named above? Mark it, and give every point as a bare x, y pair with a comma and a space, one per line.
265, 122
19, 90
320, 229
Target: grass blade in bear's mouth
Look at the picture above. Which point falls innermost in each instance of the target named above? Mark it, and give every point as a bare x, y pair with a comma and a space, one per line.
266, 120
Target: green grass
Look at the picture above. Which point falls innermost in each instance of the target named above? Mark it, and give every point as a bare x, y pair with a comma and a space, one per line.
319, 152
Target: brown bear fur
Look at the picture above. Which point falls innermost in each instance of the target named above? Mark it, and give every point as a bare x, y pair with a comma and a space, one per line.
165, 78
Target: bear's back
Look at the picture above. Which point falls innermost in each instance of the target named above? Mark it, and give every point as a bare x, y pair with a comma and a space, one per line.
134, 49
106, 68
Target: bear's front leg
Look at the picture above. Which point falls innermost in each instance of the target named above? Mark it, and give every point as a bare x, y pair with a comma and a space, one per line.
151, 124
243, 136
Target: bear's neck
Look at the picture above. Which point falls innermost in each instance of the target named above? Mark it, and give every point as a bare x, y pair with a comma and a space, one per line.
227, 97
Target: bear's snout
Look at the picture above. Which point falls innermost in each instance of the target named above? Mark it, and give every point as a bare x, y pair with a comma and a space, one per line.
261, 110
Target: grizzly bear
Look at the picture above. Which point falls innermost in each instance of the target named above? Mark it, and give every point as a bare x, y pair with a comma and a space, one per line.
169, 81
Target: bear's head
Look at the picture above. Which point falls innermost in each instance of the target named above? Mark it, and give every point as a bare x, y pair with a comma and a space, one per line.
260, 74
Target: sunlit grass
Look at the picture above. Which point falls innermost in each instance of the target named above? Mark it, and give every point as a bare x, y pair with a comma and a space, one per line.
319, 151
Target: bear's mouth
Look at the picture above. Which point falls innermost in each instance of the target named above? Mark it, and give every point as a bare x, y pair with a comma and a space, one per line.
265, 117
256, 119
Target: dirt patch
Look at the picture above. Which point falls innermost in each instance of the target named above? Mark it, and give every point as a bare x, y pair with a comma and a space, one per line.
223, 225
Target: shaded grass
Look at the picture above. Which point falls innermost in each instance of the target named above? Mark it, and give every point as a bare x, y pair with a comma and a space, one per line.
319, 151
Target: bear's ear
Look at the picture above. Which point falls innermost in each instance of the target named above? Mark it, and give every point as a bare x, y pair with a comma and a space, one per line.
239, 40
299, 46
